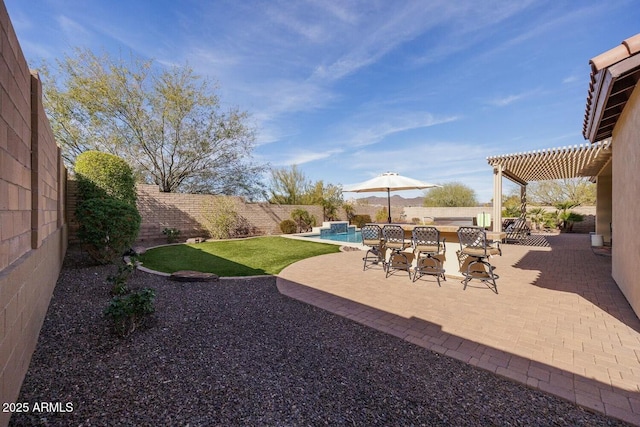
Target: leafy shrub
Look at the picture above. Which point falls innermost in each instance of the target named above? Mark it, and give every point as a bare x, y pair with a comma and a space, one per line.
288, 226
304, 220
360, 220
108, 227
119, 280
172, 234
129, 311
103, 175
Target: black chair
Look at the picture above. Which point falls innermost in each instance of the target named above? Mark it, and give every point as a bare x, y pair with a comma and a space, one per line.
372, 237
474, 245
427, 247
394, 240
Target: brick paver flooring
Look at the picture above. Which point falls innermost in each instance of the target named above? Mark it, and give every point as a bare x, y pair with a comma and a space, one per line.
559, 322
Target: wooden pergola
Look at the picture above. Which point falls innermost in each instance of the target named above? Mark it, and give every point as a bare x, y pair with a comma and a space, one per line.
554, 163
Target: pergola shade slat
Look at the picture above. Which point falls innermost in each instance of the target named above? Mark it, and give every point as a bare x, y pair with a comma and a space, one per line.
554, 163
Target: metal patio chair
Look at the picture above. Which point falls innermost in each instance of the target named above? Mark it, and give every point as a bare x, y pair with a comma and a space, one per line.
394, 240
427, 246
372, 237
474, 245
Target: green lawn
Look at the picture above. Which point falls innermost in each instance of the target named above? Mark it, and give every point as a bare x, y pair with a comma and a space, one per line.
246, 257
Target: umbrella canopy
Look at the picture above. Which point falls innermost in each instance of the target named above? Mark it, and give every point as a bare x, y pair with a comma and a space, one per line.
388, 181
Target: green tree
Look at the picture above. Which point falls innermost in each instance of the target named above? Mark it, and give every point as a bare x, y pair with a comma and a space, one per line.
452, 194
327, 196
288, 186
167, 123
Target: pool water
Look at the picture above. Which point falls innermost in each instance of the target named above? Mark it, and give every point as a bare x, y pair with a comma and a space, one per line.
355, 237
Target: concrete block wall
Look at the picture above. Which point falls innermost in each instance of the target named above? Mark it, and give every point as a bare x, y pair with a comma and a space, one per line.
32, 214
184, 212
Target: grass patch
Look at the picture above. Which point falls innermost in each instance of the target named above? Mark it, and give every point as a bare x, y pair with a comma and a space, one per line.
247, 257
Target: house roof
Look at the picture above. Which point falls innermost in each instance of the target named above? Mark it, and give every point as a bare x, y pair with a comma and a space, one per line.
614, 75
584, 160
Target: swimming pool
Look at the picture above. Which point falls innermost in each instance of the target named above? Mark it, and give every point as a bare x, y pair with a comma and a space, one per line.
355, 237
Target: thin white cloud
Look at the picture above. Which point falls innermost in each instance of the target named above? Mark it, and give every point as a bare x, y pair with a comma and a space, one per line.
504, 101
72, 29
374, 128
304, 156
510, 99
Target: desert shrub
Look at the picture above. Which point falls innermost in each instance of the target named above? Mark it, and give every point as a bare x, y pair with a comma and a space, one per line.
172, 234
103, 175
382, 215
244, 228
108, 227
288, 226
360, 220
220, 218
127, 312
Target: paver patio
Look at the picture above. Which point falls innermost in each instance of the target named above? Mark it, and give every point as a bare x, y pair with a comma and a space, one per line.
559, 323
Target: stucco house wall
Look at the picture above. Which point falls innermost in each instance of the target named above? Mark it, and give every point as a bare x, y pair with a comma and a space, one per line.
626, 203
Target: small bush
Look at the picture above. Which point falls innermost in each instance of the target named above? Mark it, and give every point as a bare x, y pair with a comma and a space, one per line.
243, 228
108, 227
219, 217
129, 311
382, 215
288, 226
119, 280
103, 175
360, 220
172, 234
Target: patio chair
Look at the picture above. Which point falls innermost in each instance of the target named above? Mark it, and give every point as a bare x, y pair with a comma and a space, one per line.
517, 230
474, 245
426, 247
372, 237
394, 240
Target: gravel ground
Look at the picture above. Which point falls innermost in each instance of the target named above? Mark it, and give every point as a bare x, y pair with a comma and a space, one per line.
237, 352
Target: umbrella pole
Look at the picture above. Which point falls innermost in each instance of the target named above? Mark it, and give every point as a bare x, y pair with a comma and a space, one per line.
389, 204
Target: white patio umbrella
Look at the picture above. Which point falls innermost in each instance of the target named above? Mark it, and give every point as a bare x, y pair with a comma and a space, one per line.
388, 181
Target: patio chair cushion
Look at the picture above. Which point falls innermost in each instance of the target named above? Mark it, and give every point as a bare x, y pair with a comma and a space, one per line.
480, 251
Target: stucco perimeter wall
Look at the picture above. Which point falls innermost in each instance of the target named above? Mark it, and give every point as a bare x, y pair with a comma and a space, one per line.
626, 203
32, 216
184, 212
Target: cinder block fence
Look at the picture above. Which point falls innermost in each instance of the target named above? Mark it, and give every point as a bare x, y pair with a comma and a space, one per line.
33, 238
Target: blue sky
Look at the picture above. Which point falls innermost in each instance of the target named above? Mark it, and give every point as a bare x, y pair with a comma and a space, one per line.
350, 89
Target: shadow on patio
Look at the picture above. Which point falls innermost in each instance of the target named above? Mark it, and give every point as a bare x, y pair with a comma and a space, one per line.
548, 328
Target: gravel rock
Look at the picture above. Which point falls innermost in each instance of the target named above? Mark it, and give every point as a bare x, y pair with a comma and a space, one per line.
237, 352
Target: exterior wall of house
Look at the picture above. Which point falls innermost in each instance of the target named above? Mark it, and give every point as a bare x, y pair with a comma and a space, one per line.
32, 215
604, 196
626, 203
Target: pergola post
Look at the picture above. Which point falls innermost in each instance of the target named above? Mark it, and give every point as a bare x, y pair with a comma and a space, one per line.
497, 198
523, 201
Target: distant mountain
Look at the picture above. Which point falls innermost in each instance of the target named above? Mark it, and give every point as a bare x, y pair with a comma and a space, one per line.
395, 201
